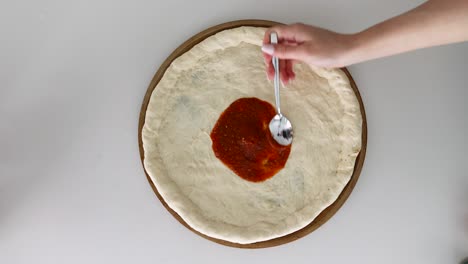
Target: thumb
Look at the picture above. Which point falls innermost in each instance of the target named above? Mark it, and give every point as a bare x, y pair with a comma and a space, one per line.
284, 51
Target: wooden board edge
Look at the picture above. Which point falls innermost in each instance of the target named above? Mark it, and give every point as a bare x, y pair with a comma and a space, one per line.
325, 215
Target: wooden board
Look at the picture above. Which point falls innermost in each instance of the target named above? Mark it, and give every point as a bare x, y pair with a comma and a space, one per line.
325, 214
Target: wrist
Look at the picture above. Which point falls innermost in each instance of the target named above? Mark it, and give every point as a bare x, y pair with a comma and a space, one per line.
351, 49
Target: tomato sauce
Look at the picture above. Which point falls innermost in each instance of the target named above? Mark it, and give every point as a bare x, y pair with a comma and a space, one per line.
243, 142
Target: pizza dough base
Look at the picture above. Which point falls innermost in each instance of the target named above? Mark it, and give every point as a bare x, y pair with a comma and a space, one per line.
209, 197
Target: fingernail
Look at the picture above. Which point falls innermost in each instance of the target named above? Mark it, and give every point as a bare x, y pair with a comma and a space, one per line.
268, 49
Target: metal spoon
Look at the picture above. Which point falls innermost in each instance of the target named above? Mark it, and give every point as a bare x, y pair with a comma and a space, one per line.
280, 127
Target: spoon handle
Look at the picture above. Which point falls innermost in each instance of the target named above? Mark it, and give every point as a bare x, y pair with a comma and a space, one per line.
276, 80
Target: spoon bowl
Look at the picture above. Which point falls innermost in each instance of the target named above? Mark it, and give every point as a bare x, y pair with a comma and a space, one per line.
281, 130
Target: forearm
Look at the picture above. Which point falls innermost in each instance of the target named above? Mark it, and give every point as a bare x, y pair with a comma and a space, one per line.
433, 23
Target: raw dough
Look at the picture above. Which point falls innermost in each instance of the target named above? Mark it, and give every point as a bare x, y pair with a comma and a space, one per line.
183, 109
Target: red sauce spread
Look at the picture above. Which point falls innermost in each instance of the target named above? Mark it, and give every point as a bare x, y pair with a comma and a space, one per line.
243, 142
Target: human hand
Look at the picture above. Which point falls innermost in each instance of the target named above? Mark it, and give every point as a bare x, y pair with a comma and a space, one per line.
433, 23
309, 44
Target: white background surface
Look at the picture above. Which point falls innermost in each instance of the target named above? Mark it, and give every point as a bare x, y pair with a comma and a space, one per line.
72, 189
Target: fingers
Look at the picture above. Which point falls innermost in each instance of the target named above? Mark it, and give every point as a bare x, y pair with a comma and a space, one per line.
288, 50
293, 33
285, 51
289, 70
270, 71
286, 71
286, 34
267, 57
283, 74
